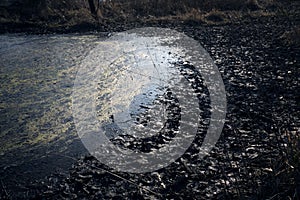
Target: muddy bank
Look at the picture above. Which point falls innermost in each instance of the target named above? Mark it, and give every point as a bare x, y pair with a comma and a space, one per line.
256, 156
253, 158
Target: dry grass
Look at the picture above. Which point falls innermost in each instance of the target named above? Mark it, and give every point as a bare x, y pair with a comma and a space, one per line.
72, 12
201, 11
284, 183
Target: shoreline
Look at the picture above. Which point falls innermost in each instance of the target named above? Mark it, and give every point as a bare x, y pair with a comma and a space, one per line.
213, 18
259, 110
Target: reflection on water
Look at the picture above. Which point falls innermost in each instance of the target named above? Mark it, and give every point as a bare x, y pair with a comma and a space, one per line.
133, 94
133, 89
37, 74
143, 89
36, 123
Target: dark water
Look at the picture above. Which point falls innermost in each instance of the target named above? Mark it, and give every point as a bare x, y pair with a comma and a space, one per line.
38, 135
37, 130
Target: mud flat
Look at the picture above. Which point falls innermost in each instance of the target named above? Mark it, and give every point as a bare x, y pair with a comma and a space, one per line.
256, 157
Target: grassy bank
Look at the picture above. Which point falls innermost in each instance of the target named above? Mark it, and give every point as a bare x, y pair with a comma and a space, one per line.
77, 15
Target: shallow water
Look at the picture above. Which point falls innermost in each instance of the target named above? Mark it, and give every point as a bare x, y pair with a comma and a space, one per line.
37, 74
146, 89
141, 86
37, 130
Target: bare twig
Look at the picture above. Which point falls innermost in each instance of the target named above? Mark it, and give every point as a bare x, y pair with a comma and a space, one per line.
274, 196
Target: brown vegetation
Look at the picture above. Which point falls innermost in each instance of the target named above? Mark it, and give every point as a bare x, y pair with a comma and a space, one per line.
75, 12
